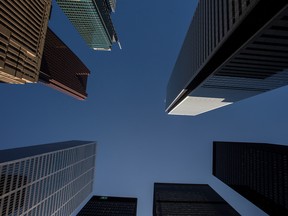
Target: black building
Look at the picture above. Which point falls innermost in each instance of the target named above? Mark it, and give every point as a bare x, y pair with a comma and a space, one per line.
257, 171
188, 199
109, 206
234, 49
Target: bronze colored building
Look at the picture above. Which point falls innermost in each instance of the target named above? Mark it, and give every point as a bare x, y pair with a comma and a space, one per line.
61, 69
23, 26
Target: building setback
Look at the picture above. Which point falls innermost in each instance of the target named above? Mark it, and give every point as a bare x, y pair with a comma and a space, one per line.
23, 26
233, 50
62, 69
189, 199
257, 171
50, 179
92, 20
109, 206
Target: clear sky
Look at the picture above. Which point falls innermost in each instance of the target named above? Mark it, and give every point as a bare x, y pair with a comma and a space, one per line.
138, 143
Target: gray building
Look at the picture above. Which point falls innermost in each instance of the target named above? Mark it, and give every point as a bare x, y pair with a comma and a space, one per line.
50, 179
234, 49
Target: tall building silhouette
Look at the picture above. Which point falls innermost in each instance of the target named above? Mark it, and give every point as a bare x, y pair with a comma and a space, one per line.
257, 171
92, 20
62, 69
109, 206
234, 49
23, 26
189, 199
50, 179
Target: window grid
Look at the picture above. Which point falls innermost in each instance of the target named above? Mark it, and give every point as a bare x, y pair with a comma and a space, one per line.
43, 184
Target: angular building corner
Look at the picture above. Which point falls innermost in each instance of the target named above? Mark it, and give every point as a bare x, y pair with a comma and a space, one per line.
49, 179
22, 36
233, 50
92, 20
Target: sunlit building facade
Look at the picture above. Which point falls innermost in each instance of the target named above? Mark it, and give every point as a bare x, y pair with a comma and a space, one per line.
189, 199
61, 69
229, 54
109, 206
50, 179
92, 20
23, 26
257, 171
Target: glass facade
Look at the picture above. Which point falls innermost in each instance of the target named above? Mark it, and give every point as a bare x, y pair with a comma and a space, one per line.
92, 20
51, 179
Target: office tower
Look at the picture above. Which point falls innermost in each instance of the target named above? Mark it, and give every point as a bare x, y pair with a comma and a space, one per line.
189, 199
109, 206
62, 69
234, 49
257, 171
92, 20
23, 26
50, 179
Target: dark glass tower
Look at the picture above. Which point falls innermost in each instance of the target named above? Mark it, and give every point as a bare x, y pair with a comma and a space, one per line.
61, 69
234, 49
109, 206
188, 199
257, 171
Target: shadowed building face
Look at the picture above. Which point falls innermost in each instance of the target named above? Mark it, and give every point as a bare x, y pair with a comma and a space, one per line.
257, 171
189, 199
109, 206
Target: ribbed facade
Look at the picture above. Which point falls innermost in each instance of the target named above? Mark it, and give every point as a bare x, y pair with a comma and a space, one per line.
257, 171
23, 26
92, 20
189, 199
109, 206
51, 179
62, 69
229, 54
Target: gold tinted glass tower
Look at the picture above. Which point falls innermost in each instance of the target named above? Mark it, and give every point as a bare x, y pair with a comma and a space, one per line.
23, 26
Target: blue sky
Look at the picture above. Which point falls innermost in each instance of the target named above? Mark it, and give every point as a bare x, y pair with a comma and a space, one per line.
138, 143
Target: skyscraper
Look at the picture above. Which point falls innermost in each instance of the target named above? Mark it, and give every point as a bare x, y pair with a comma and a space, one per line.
62, 69
50, 179
23, 26
189, 199
233, 50
257, 171
92, 20
109, 206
